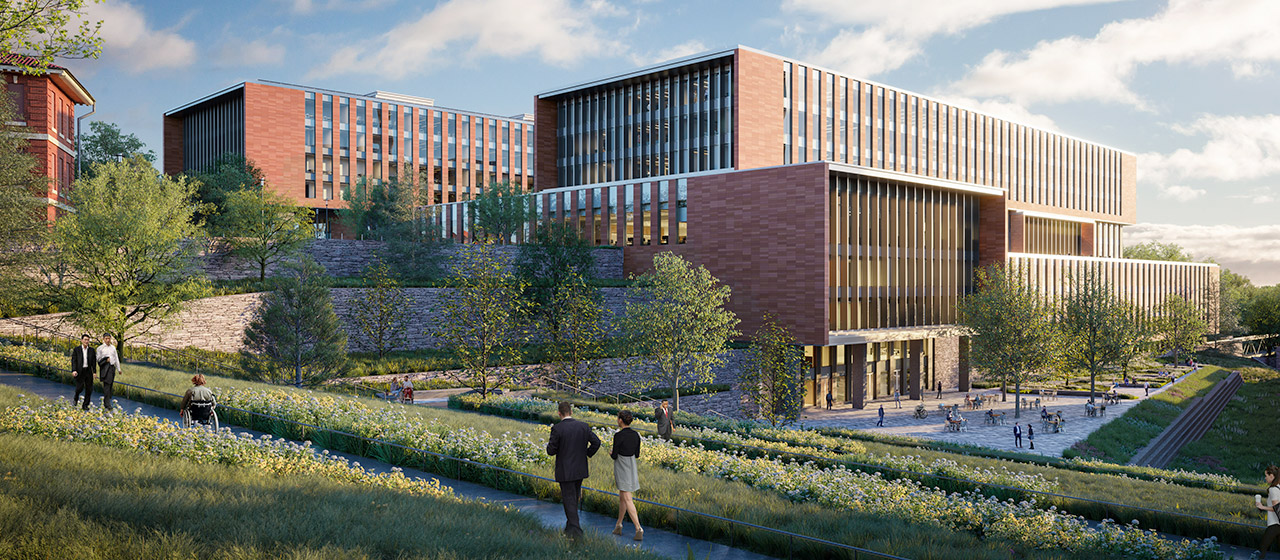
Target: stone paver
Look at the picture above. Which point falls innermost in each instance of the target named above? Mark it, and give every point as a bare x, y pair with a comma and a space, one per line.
900, 421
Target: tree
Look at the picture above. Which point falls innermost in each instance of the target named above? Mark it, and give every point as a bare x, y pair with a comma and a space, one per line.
128, 249
554, 256
230, 173
294, 336
1012, 335
1235, 291
501, 211
484, 318
676, 330
1096, 327
415, 249
1157, 251
380, 310
1178, 327
576, 340
375, 207
265, 228
1261, 314
105, 143
772, 379
48, 29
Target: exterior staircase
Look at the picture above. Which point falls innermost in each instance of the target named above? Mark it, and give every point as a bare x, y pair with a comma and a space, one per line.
1190, 425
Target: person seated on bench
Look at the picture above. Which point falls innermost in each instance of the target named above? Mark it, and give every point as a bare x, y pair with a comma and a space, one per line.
1088, 408
967, 401
1044, 413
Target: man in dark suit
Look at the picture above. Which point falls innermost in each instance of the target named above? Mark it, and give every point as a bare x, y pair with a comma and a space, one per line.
572, 443
662, 416
83, 362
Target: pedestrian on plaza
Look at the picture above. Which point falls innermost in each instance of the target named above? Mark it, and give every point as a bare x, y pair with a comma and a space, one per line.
662, 417
1270, 505
897, 398
939, 390
626, 449
83, 362
830, 399
108, 366
1031, 436
572, 442
1017, 435
880, 422
1146, 388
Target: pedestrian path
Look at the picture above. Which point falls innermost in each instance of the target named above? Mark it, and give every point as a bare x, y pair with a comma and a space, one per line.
657, 541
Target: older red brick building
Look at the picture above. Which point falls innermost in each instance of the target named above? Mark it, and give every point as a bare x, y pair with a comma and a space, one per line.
46, 105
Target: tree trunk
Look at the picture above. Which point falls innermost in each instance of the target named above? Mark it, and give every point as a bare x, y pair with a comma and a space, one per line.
1004, 390
1093, 391
262, 270
1017, 400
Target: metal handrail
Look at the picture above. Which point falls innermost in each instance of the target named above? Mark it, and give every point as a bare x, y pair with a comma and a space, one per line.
874, 467
460, 460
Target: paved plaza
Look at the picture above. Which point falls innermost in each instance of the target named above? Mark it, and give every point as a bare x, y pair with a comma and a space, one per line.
900, 421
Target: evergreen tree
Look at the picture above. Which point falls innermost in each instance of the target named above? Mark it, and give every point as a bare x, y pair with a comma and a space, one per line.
772, 380
294, 336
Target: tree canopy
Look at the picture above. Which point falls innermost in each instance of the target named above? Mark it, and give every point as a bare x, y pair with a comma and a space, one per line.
773, 378
676, 328
129, 249
230, 173
46, 30
295, 336
265, 228
1097, 327
106, 143
501, 211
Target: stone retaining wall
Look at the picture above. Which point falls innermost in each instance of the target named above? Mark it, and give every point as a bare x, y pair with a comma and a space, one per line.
350, 257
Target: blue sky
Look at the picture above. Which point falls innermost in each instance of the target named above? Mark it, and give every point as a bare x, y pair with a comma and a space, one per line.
1189, 86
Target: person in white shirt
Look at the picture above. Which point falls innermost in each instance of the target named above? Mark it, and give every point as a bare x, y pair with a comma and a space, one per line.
1269, 505
108, 365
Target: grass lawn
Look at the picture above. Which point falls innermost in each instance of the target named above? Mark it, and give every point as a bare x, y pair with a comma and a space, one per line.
76, 500
739, 501
1242, 441
1119, 439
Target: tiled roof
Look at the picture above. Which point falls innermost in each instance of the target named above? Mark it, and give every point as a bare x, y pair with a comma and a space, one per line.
14, 59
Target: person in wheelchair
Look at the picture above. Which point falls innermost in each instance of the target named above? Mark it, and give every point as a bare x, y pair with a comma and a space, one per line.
198, 404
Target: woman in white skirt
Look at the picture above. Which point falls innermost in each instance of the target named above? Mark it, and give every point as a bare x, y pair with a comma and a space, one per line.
626, 449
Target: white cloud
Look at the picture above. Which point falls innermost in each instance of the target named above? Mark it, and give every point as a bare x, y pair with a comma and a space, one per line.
880, 36
1180, 193
671, 53
309, 6
1252, 251
1240, 33
236, 53
129, 41
558, 32
1238, 148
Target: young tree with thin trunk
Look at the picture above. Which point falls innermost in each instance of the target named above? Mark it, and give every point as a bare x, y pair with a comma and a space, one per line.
1011, 331
1178, 328
576, 342
484, 319
129, 250
501, 211
380, 310
294, 336
1096, 327
266, 228
773, 376
676, 330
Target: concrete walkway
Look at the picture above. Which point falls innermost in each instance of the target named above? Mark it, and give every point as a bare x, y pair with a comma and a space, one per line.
657, 541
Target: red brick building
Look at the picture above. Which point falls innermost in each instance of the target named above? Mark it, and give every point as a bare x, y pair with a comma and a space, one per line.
313, 145
855, 212
46, 105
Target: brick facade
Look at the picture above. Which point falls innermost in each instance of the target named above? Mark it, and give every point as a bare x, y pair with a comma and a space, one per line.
46, 104
756, 124
274, 142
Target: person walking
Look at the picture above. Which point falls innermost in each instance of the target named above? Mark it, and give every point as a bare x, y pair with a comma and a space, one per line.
572, 442
881, 421
897, 399
830, 399
1031, 436
939, 390
626, 449
662, 417
83, 362
108, 366
1146, 388
1270, 505
1017, 435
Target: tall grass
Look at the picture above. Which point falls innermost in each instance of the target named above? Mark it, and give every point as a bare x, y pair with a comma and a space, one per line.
1243, 440
71, 500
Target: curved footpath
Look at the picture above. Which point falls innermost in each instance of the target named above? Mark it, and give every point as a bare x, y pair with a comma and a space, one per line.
657, 541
